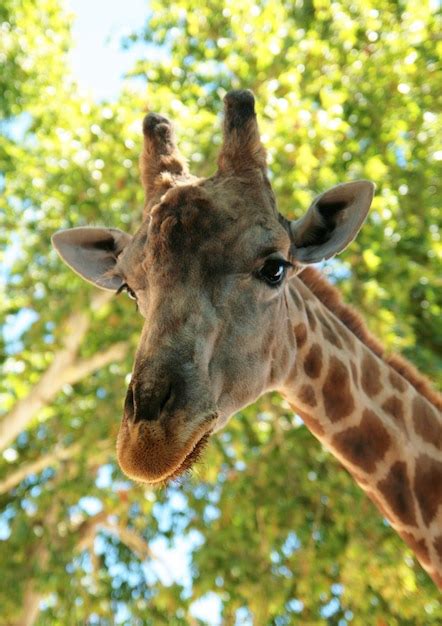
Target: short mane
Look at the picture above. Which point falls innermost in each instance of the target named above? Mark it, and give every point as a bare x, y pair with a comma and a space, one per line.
331, 298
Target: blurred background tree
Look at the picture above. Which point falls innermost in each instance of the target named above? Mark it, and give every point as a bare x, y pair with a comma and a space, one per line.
270, 529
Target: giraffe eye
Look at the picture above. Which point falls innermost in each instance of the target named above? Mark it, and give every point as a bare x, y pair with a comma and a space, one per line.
273, 271
130, 292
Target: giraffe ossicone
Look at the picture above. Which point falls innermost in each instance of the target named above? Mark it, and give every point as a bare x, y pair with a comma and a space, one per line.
232, 311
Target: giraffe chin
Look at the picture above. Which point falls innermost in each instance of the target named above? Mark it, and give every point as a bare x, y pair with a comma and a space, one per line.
154, 454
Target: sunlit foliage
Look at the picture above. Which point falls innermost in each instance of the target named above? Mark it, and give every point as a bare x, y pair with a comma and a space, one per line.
274, 530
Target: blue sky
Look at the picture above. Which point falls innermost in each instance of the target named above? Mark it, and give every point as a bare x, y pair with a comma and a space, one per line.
97, 59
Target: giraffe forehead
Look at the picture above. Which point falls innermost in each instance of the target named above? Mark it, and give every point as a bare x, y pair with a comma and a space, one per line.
184, 220
192, 226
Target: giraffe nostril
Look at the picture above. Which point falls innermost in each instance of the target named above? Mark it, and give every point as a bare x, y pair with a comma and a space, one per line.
148, 401
129, 406
142, 405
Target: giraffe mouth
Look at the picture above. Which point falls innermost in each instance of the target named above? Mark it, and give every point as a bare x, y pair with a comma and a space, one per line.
155, 454
187, 463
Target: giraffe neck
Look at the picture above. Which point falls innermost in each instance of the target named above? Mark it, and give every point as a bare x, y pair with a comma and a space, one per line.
386, 434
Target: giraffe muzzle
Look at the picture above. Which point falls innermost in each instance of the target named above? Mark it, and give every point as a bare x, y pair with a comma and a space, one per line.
161, 436
156, 451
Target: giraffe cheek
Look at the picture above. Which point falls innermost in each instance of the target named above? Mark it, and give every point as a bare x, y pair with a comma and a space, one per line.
239, 389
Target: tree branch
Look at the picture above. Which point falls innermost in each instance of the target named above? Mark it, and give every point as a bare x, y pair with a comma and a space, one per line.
64, 369
15, 478
87, 531
53, 458
131, 539
83, 367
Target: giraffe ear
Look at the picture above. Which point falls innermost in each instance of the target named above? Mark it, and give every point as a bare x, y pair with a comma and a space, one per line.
92, 253
331, 222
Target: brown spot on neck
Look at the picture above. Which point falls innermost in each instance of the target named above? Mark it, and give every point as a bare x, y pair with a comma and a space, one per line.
336, 391
393, 406
396, 490
300, 334
363, 445
307, 395
428, 486
313, 361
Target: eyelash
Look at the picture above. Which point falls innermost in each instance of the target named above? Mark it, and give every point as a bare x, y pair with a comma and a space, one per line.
130, 292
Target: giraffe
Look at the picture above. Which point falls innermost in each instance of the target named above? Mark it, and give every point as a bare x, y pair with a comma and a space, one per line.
232, 310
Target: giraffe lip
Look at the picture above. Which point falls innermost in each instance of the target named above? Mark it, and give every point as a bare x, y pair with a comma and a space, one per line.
192, 457
154, 453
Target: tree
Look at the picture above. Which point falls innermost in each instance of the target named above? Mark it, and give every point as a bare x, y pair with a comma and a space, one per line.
277, 529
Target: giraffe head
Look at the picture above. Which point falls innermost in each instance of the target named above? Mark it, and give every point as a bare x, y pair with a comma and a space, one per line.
208, 267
